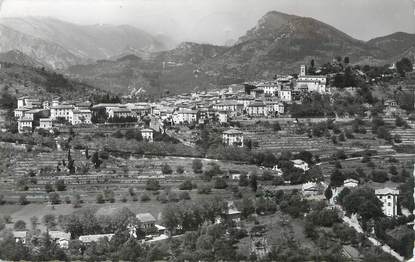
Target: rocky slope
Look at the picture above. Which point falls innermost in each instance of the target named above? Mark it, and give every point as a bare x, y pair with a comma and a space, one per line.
61, 44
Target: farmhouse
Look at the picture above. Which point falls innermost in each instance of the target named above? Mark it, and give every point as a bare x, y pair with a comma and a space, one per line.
94, 238
301, 164
20, 236
147, 134
389, 198
61, 238
233, 137
147, 221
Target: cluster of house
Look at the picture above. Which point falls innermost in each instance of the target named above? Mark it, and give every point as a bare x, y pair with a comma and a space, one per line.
253, 99
33, 113
147, 224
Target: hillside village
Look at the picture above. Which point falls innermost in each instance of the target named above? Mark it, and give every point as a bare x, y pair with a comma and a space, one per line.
312, 162
111, 145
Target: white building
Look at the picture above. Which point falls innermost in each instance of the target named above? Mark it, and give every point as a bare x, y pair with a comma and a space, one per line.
233, 137
298, 163
62, 112
285, 95
61, 238
19, 112
81, 117
24, 125
311, 83
350, 183
389, 198
147, 134
185, 116
94, 238
257, 109
45, 123
147, 221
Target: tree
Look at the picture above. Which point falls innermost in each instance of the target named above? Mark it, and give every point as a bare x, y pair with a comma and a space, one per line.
328, 193
49, 221
243, 180
220, 183
253, 182
364, 202
186, 185
197, 166
179, 170
20, 225
60, 185
379, 176
54, 198
34, 220
337, 178
48, 188
152, 184
403, 66
144, 198
248, 207
96, 161
23, 200
100, 199
166, 169
76, 200
346, 60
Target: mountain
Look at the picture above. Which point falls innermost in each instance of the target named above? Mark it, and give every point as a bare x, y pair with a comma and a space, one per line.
18, 80
45, 52
84, 43
395, 45
278, 44
20, 58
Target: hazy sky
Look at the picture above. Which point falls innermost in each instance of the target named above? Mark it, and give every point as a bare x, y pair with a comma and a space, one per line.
216, 21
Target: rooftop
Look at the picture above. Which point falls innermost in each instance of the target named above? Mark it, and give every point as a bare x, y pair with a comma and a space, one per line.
232, 131
94, 238
145, 217
386, 191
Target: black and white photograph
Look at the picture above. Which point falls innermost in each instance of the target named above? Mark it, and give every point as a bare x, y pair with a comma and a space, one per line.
207, 130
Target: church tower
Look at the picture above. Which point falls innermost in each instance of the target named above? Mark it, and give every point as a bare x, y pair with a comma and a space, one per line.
303, 70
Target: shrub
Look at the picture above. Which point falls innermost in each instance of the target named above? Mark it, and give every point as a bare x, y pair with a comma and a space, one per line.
54, 198
197, 166
397, 139
179, 169
166, 169
123, 199
117, 134
144, 198
23, 200
100, 199
349, 134
19, 225
204, 189
152, 185
60, 185
220, 183
49, 220
379, 176
184, 195
173, 197
186, 185
48, 188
